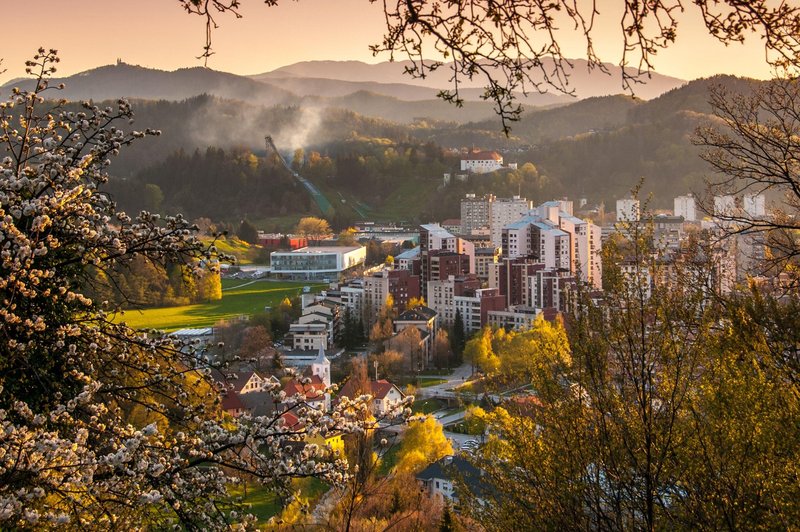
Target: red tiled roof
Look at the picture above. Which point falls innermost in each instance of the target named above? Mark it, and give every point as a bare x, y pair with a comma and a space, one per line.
380, 389
524, 405
348, 390
231, 402
291, 421
312, 391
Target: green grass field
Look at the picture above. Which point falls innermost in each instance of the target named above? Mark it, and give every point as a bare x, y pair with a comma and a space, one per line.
424, 383
260, 500
427, 406
238, 298
263, 502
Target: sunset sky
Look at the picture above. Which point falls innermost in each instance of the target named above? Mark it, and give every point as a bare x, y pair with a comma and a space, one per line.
159, 34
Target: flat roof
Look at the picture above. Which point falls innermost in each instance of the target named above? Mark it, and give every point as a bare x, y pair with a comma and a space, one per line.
205, 331
409, 254
318, 250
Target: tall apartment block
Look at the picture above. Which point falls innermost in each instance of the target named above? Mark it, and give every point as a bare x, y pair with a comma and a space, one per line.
628, 210
685, 206
443, 254
492, 213
475, 213
754, 205
402, 285
504, 211
441, 294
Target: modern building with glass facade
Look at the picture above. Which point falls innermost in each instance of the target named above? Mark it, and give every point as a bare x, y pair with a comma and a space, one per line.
317, 262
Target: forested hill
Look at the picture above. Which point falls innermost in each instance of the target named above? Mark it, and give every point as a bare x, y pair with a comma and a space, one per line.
203, 121
130, 81
602, 113
653, 142
598, 148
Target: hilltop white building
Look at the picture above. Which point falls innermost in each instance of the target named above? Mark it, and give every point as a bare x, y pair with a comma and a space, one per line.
481, 162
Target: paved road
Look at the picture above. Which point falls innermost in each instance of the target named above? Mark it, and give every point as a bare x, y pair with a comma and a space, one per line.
459, 376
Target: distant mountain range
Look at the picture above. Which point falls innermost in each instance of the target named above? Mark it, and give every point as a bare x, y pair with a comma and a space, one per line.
379, 90
586, 83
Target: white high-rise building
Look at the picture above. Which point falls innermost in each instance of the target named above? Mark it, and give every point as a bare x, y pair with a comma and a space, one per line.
557, 239
754, 205
628, 210
724, 205
585, 249
503, 211
541, 239
685, 206
440, 299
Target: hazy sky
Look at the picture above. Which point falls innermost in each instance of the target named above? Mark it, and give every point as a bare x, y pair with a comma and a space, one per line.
158, 34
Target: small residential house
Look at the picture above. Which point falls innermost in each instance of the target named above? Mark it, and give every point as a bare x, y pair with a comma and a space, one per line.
249, 381
439, 480
332, 440
232, 404
247, 392
385, 395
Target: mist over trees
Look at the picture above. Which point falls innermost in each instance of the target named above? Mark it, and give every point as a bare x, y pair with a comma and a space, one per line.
597, 148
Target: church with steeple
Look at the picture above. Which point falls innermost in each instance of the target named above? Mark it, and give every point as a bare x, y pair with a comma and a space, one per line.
321, 367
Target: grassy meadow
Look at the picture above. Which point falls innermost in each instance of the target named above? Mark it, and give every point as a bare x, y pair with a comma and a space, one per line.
239, 297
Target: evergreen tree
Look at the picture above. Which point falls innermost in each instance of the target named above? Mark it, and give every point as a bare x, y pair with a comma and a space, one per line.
447, 524
349, 335
277, 362
458, 339
248, 232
